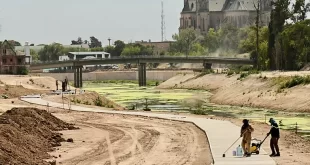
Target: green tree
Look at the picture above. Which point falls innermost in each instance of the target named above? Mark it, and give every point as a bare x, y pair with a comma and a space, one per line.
295, 40
109, 49
184, 41
79, 41
131, 50
51, 52
34, 55
119, 47
278, 17
212, 40
94, 42
300, 10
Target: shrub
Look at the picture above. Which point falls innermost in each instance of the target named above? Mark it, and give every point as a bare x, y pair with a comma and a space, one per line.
98, 102
198, 112
230, 73
87, 102
22, 70
294, 81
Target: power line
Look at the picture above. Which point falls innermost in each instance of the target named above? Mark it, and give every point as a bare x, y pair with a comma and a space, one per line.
163, 23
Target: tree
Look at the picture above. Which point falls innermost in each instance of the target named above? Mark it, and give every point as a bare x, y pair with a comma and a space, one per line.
119, 47
184, 41
94, 42
212, 40
279, 15
79, 41
34, 55
131, 50
51, 52
109, 49
31, 44
300, 10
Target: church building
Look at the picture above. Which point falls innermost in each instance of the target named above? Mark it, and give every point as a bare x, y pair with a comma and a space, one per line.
205, 14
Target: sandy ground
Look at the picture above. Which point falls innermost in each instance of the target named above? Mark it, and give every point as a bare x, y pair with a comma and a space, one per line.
120, 139
31, 82
252, 91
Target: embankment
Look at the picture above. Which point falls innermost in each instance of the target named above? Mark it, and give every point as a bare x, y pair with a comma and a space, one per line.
261, 90
116, 75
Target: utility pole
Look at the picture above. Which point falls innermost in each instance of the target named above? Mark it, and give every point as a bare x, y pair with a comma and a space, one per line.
109, 39
163, 23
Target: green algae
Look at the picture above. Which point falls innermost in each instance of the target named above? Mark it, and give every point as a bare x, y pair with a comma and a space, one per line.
181, 100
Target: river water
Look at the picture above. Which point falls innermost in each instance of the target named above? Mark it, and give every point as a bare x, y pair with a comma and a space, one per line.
134, 97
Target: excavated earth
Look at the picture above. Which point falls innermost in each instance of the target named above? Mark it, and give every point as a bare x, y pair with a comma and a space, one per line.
28, 134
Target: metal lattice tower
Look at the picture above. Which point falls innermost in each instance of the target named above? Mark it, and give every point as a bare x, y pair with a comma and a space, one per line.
163, 23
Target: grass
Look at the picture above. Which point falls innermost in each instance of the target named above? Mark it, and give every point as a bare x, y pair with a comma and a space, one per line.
289, 82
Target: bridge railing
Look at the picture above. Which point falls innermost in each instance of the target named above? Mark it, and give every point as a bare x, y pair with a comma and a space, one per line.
143, 57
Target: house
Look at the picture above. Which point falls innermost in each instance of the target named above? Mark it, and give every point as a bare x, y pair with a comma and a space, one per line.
11, 61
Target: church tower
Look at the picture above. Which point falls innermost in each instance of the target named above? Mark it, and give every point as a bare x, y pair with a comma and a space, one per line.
195, 15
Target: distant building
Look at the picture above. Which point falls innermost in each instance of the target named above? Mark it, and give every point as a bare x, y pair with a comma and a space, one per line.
205, 14
38, 48
11, 61
83, 55
158, 47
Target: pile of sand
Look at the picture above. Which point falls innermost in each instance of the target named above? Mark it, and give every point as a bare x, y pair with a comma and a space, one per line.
10, 91
27, 134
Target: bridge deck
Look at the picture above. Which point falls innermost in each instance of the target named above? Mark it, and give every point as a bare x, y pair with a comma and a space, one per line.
142, 59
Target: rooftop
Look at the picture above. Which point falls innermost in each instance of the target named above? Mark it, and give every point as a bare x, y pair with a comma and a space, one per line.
87, 53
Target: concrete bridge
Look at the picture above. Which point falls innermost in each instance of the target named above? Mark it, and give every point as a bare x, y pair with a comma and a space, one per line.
140, 60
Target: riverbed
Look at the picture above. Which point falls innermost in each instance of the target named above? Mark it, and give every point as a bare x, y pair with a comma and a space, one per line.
133, 97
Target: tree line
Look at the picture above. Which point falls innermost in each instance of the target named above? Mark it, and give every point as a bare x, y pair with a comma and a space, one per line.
282, 45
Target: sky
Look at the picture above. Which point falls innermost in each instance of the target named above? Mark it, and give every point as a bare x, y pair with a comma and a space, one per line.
48, 21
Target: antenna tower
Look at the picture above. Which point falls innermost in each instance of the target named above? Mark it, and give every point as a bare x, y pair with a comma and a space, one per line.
163, 23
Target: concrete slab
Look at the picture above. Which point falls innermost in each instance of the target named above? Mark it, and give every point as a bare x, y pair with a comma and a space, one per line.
221, 134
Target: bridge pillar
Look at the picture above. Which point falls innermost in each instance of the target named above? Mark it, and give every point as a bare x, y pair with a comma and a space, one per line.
207, 65
78, 79
142, 74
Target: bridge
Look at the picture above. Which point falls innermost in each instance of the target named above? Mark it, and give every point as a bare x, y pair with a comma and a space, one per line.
140, 60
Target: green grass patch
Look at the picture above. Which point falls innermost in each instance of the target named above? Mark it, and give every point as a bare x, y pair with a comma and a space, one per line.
289, 82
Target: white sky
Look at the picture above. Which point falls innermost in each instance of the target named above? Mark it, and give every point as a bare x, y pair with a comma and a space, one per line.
47, 21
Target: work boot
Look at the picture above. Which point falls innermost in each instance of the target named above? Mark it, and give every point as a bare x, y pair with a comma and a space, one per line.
272, 155
277, 155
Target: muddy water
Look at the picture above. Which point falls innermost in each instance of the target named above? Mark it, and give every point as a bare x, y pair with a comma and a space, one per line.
181, 100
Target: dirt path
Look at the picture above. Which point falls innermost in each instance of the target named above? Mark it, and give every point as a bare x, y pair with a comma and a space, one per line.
127, 140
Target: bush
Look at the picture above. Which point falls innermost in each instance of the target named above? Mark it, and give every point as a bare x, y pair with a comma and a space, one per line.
98, 102
22, 70
246, 68
198, 112
294, 81
230, 73
87, 102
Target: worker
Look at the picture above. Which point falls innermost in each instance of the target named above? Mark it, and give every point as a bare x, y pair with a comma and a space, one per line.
275, 135
57, 85
246, 133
